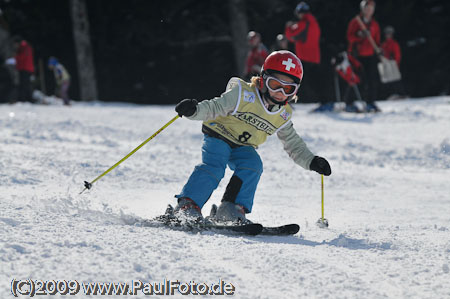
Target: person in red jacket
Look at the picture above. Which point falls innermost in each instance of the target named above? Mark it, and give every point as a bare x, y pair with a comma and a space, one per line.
391, 50
25, 67
305, 34
361, 48
256, 55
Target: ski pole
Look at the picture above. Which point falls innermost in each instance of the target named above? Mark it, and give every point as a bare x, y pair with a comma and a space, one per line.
337, 89
321, 176
322, 222
88, 185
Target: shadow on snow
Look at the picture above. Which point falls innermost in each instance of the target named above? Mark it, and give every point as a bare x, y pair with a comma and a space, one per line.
341, 241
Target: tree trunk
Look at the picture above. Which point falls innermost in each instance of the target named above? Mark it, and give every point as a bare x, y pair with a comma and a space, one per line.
83, 49
239, 30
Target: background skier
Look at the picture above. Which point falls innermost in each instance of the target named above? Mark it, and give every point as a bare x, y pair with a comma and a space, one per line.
62, 79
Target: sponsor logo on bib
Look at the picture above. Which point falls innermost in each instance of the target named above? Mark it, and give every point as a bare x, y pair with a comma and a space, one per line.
285, 115
254, 120
249, 96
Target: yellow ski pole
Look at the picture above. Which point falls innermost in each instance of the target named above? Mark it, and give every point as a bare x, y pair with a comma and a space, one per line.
322, 222
321, 176
88, 185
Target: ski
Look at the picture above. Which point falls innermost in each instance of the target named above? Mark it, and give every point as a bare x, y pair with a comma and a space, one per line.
168, 220
283, 230
171, 222
251, 229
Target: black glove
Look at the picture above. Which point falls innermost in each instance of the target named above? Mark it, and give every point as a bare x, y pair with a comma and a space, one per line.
320, 165
186, 107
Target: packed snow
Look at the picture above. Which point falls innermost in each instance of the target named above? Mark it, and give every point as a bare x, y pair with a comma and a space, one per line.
387, 202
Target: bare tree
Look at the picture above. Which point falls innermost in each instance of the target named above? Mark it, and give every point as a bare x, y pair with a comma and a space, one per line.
239, 30
85, 59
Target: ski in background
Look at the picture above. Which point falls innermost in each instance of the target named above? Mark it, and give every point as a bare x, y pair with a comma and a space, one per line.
343, 69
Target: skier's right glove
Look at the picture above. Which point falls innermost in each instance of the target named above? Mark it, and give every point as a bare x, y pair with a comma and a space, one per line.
186, 107
320, 165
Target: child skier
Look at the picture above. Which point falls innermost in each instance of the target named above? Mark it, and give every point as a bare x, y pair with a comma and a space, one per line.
234, 125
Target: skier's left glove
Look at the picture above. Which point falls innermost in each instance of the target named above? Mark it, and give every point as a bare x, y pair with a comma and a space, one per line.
320, 165
186, 107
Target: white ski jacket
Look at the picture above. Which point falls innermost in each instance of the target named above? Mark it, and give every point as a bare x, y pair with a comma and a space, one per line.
224, 105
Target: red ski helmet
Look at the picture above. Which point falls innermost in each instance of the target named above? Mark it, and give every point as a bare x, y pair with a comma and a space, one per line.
284, 62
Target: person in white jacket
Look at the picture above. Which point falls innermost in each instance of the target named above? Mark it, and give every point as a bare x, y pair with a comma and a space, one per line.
234, 125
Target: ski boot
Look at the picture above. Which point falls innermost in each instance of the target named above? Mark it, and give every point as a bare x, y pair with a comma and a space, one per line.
327, 107
187, 211
352, 108
372, 107
229, 213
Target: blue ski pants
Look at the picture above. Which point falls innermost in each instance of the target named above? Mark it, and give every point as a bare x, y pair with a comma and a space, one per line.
216, 155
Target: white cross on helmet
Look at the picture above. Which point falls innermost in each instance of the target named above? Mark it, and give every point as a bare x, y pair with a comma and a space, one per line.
288, 63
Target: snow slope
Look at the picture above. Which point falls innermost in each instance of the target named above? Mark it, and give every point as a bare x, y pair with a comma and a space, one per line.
387, 201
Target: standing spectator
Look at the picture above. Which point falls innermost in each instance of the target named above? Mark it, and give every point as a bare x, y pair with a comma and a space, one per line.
62, 79
305, 34
256, 55
25, 67
281, 43
360, 48
391, 50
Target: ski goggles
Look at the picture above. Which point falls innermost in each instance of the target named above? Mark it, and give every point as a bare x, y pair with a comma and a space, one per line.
287, 88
